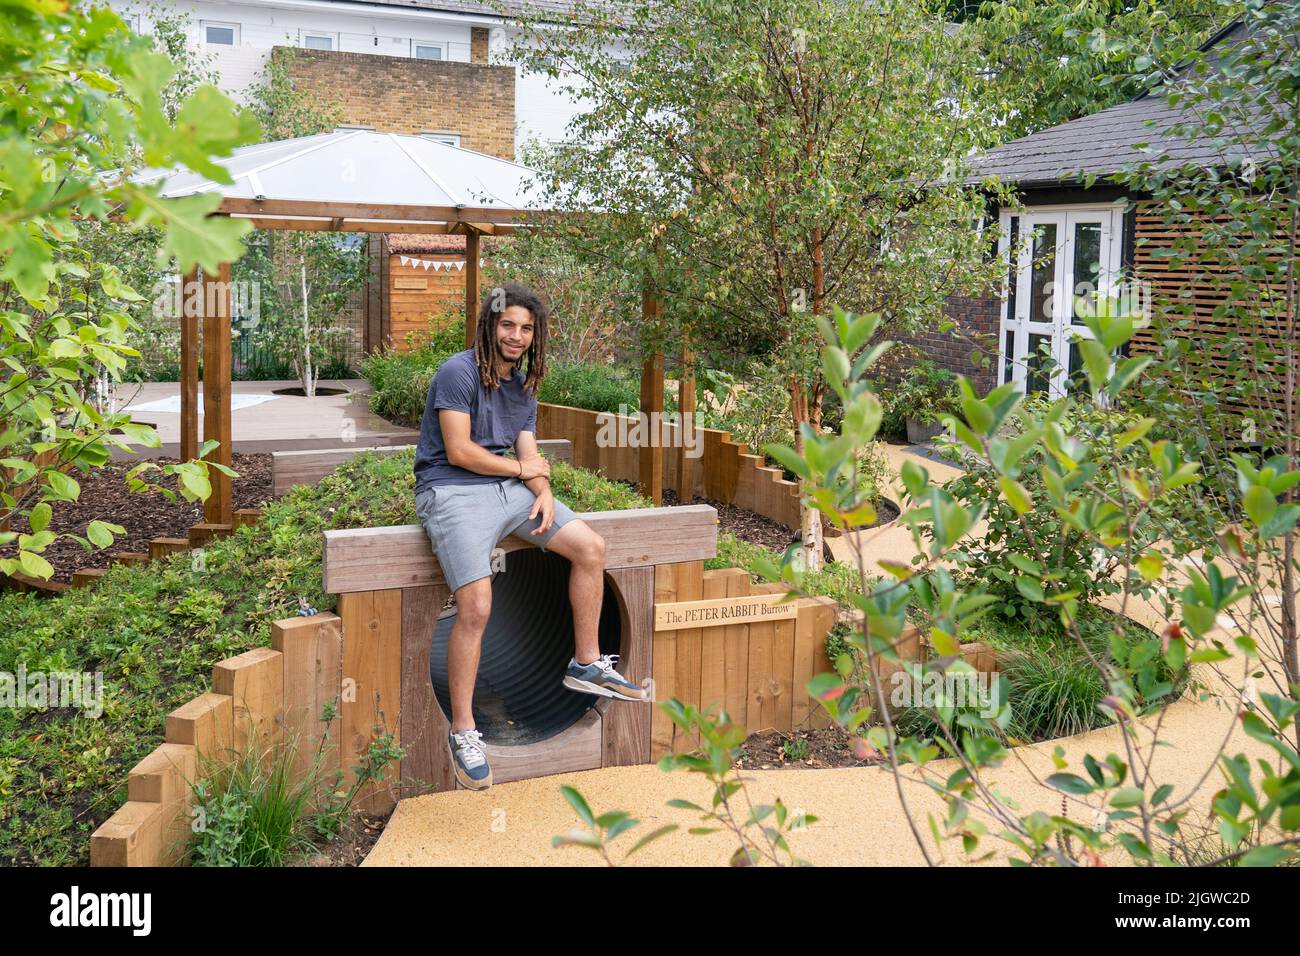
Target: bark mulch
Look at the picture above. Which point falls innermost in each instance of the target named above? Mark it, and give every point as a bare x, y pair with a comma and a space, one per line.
805, 749
105, 497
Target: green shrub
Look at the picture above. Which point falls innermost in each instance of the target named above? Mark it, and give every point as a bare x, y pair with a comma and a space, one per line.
925, 392
600, 388
759, 408
1019, 545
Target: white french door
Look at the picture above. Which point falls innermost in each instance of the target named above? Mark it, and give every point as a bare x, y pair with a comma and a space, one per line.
1065, 259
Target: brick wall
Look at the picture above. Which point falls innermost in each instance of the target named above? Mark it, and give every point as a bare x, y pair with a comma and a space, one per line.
402, 95
977, 331
478, 44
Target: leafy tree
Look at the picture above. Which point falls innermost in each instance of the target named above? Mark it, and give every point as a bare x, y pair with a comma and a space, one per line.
83, 112
754, 163
1053, 62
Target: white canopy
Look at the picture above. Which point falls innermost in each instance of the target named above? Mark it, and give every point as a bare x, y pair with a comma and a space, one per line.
352, 172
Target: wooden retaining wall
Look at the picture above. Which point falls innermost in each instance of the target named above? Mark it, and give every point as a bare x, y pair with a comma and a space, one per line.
264, 698
755, 671
724, 471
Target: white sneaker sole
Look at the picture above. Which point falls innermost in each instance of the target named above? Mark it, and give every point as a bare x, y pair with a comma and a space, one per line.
575, 683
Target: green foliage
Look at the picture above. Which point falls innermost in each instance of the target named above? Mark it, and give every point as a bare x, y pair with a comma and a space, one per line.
248, 809
788, 177
753, 404
88, 104
601, 388
925, 392
1026, 534
1104, 494
720, 740
601, 830
399, 384
1054, 62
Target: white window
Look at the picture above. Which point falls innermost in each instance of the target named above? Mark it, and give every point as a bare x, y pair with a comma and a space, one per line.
428, 51
1061, 260
220, 34
319, 41
451, 139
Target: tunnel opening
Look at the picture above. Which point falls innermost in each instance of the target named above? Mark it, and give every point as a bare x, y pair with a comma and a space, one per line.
519, 697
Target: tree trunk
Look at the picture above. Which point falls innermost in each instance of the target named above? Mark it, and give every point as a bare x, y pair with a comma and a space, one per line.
307, 377
810, 519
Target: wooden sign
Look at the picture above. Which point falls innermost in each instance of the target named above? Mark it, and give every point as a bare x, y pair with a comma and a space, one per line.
737, 610
410, 283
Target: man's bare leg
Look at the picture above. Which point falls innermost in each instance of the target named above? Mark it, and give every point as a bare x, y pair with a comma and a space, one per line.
586, 553
473, 605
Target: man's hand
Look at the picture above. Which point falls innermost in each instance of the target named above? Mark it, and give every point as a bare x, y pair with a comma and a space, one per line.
534, 466
545, 505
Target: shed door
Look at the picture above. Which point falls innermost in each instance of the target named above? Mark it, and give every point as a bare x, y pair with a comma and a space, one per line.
1064, 261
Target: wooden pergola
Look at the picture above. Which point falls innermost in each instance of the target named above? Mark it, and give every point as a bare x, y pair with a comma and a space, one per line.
356, 180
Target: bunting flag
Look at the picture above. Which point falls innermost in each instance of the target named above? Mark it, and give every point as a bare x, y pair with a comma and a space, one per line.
436, 264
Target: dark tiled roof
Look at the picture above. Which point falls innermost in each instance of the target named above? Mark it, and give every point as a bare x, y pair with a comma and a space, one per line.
1103, 143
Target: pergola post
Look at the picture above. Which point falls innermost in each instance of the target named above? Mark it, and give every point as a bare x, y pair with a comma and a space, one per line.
686, 410
651, 461
471, 286
191, 307
219, 508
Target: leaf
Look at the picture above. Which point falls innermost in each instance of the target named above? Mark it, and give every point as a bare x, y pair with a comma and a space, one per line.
1265, 856
1151, 565
1030, 588
1127, 797
39, 519
63, 487
1259, 504
652, 835
791, 459
98, 532
35, 566
1281, 521
1016, 494
1070, 783
579, 805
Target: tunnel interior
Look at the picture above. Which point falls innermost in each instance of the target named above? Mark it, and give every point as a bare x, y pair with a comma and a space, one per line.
519, 697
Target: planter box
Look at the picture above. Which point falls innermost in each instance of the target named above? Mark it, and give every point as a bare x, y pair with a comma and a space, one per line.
918, 433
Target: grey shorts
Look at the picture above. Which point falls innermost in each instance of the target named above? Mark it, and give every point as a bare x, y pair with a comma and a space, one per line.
465, 523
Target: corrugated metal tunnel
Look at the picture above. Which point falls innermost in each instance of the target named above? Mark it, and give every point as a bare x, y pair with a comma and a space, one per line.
519, 697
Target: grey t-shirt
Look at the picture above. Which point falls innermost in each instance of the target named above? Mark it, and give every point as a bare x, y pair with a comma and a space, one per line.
496, 418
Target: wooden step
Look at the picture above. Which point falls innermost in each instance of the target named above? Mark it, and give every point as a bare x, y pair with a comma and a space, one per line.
247, 516
204, 532
87, 576
129, 557
161, 547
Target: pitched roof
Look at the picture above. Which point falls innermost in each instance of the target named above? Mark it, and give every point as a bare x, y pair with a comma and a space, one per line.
1103, 143
362, 166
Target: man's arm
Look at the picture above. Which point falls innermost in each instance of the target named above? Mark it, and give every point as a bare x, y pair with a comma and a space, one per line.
526, 447
464, 452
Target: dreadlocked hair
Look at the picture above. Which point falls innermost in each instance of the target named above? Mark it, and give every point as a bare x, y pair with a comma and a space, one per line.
533, 362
